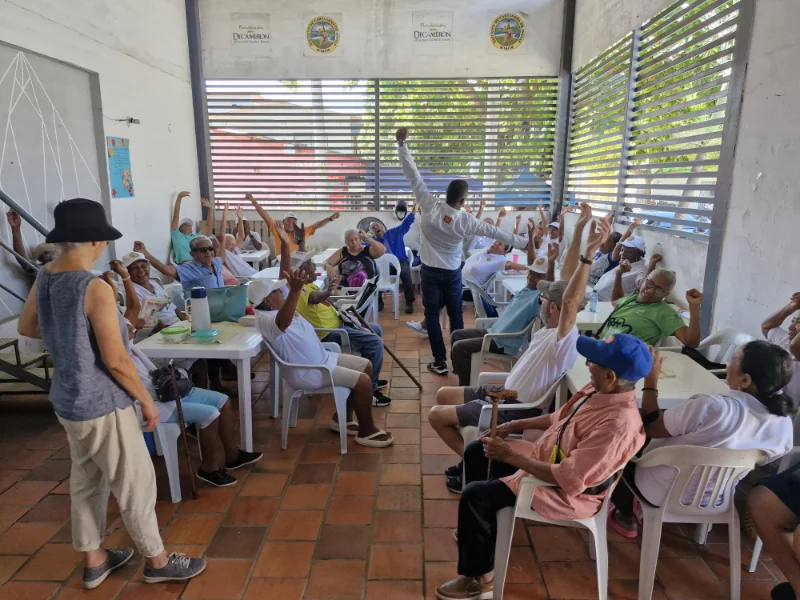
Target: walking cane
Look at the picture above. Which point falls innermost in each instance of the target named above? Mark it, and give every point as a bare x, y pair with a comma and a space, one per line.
183, 428
492, 432
361, 320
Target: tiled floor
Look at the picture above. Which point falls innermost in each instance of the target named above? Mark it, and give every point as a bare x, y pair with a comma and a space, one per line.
309, 523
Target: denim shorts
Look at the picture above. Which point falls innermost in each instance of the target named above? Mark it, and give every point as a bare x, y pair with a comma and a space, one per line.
200, 407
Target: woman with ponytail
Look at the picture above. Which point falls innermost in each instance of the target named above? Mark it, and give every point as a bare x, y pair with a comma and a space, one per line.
752, 415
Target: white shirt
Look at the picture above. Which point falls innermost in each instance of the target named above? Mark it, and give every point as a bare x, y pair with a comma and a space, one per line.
299, 344
247, 244
605, 285
167, 314
734, 420
237, 265
443, 227
482, 266
544, 362
479, 242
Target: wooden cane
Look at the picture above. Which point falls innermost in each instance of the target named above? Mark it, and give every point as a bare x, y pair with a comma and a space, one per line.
492, 432
354, 312
183, 428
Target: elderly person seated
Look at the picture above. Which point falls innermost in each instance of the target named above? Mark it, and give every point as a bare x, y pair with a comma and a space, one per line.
394, 241
752, 415
580, 448
138, 268
630, 255
787, 338
290, 226
182, 230
204, 270
609, 254
40, 255
235, 263
356, 260
479, 242
646, 314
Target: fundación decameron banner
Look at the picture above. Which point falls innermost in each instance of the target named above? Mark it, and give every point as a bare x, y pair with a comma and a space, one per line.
432, 32
323, 34
250, 34
507, 30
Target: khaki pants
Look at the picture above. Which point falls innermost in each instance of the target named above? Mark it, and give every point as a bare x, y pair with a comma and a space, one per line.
109, 455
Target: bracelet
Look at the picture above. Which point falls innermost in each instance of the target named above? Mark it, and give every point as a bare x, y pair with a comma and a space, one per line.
585, 261
649, 389
127, 278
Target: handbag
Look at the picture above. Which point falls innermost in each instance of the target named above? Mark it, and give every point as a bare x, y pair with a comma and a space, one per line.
227, 303
162, 381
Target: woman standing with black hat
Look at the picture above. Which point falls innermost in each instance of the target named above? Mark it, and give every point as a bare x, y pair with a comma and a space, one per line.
94, 386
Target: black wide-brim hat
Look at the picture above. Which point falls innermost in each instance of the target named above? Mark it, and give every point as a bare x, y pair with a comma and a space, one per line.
81, 220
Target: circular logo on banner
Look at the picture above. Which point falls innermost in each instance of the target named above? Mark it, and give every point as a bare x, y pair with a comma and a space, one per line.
322, 35
508, 31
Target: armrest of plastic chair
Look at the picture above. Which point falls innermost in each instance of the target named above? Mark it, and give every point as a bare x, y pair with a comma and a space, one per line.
332, 347
493, 336
671, 349
342, 335
526, 488
485, 420
484, 322
492, 378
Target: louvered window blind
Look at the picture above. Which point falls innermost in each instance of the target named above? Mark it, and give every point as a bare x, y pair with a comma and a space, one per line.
324, 144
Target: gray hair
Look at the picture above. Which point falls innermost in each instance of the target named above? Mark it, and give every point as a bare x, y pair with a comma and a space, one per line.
230, 235
198, 241
667, 275
625, 385
350, 231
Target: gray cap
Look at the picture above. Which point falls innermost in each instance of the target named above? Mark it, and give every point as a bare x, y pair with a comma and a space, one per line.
554, 290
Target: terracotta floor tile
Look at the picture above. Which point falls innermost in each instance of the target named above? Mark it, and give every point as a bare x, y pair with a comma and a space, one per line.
351, 483
210, 500
264, 484
398, 527
26, 493
9, 565
360, 462
525, 591
403, 454
350, 510
10, 515
51, 509
73, 588
236, 542
54, 562
252, 511
558, 544
296, 525
428, 431
403, 406
63, 488
344, 541
628, 589
399, 497
437, 573
28, 459
394, 590
306, 497
437, 463
440, 545
717, 557
50, 470
623, 560
191, 529
275, 589
21, 590
400, 474
284, 560
10, 477
336, 580
576, 579
522, 567
441, 513
27, 538
675, 545
395, 561
398, 420
151, 591
433, 488
433, 446
685, 576
321, 453
275, 463
222, 579
313, 473
406, 436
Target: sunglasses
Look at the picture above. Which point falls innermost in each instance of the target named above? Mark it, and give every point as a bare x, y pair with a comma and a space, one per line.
204, 249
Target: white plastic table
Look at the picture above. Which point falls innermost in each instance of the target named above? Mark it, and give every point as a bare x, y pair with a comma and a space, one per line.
244, 345
325, 255
255, 257
513, 285
681, 378
275, 273
591, 321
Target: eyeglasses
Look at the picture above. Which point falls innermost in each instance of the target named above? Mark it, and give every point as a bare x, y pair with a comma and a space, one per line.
648, 284
204, 249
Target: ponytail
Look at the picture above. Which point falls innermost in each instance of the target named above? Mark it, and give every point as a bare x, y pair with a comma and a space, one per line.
779, 404
771, 369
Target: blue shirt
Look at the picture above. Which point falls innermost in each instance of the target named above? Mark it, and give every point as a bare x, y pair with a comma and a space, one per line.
180, 245
195, 274
523, 308
393, 238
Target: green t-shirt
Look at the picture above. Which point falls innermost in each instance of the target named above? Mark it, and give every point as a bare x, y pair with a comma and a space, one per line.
180, 245
649, 322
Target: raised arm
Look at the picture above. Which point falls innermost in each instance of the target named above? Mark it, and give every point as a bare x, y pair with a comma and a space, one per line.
325, 221
208, 225
133, 305
16, 240
176, 210
617, 292
552, 257
334, 259
480, 209
794, 347
531, 245
542, 218
221, 253
421, 193
406, 224
286, 251
321, 296
168, 270
476, 227
576, 288
777, 318
297, 279
503, 212
574, 251
261, 212
690, 336
628, 233
376, 249
517, 221
239, 226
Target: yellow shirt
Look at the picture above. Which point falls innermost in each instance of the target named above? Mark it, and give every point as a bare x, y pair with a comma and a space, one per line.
293, 246
321, 315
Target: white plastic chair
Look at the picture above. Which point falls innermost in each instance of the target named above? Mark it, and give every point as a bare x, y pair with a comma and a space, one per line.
719, 346
506, 518
705, 465
166, 439
415, 270
477, 293
291, 397
388, 282
364, 305
485, 353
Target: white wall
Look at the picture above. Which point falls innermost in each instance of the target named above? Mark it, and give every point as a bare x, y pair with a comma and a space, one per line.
138, 49
376, 40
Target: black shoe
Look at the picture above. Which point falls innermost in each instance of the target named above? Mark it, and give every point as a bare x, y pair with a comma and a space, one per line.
454, 484
409, 308
382, 383
380, 399
455, 470
440, 368
220, 478
244, 458
783, 591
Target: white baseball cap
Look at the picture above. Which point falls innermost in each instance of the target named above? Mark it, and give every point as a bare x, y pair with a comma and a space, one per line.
132, 257
290, 215
258, 289
298, 258
555, 224
635, 242
539, 265
185, 221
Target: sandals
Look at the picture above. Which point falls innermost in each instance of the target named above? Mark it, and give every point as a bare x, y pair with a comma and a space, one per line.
374, 443
626, 533
352, 427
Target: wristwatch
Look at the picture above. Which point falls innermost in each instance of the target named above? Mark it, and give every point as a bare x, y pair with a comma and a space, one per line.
585, 261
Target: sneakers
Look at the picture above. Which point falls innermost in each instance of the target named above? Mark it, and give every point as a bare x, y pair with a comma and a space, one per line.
783, 591
440, 368
417, 326
465, 588
409, 308
455, 470
244, 458
179, 567
380, 399
94, 576
455, 484
382, 383
220, 478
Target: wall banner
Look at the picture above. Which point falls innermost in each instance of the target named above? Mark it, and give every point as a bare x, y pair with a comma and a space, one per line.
250, 34
432, 32
507, 30
322, 34
119, 167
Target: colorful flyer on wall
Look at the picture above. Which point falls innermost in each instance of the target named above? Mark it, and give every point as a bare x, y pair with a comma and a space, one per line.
250, 34
506, 30
119, 167
432, 32
322, 34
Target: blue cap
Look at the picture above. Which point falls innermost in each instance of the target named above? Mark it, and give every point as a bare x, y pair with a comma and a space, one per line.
628, 356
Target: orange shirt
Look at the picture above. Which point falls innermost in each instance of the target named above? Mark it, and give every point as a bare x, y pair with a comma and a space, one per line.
293, 246
600, 439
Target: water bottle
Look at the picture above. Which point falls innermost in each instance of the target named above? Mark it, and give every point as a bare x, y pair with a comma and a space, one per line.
593, 302
199, 311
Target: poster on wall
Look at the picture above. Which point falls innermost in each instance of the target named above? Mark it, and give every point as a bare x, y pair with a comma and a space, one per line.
322, 34
506, 31
119, 167
250, 34
432, 32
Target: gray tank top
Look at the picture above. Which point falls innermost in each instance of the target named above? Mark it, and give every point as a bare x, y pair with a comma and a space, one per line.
82, 387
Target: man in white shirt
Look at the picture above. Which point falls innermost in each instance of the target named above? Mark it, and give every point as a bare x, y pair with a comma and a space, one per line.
632, 253
444, 228
551, 353
483, 265
252, 239
787, 338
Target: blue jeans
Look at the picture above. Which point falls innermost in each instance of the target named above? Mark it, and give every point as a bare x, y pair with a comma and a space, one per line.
441, 288
367, 344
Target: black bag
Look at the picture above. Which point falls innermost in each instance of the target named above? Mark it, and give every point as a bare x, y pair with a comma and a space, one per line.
162, 381
702, 360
